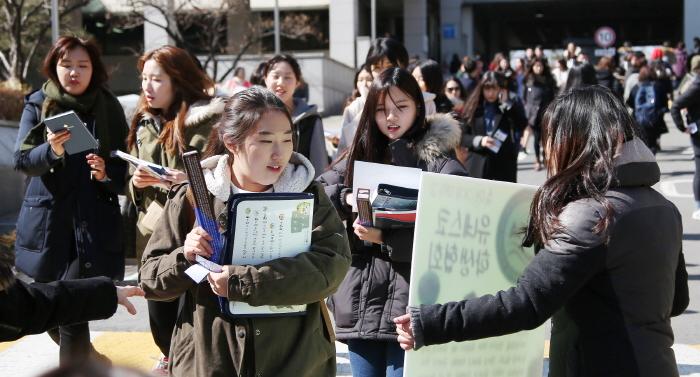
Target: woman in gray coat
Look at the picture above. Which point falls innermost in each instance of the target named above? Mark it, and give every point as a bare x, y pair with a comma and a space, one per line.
609, 257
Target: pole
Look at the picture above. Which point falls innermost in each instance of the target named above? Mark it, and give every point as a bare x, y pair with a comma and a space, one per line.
54, 20
277, 27
373, 11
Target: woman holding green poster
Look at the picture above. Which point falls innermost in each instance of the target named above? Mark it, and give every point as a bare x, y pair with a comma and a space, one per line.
609, 254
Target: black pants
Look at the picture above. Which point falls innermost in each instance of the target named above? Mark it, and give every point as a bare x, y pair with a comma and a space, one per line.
537, 138
73, 340
162, 316
695, 140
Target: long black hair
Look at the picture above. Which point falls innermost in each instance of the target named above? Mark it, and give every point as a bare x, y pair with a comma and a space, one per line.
370, 144
581, 75
582, 130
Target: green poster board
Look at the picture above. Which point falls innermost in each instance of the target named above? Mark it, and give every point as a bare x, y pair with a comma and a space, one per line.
467, 244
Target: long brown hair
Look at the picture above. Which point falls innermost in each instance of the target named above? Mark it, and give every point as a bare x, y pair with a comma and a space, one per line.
582, 130
189, 84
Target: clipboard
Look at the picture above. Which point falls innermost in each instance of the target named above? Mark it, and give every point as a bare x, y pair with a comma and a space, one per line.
81, 139
293, 212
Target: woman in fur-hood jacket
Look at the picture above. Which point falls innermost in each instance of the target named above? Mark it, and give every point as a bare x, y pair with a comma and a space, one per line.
253, 153
393, 130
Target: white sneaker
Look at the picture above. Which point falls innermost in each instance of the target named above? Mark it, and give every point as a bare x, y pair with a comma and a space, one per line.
696, 214
522, 155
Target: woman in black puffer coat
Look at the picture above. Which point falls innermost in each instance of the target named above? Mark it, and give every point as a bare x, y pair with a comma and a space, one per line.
540, 89
393, 130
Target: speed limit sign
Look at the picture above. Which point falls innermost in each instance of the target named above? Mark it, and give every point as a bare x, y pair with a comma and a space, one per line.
605, 37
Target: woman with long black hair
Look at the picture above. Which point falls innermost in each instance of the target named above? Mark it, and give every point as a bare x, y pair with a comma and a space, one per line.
609, 255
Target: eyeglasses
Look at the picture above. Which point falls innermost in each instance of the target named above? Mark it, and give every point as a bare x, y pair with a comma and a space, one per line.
452, 89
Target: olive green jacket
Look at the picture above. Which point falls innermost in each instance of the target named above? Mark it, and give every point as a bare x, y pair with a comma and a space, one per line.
199, 121
204, 342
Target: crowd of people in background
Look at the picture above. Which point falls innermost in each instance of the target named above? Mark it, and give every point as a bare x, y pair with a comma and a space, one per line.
471, 117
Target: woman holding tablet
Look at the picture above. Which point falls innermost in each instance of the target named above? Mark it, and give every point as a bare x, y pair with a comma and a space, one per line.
70, 226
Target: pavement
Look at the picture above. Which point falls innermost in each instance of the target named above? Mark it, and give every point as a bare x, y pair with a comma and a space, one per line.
126, 339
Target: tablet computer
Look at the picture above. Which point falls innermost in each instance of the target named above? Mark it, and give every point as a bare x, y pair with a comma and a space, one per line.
80, 138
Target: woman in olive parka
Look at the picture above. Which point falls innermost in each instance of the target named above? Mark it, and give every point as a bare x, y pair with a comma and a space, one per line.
253, 154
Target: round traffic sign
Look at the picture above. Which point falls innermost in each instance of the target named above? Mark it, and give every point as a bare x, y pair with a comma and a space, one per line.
605, 37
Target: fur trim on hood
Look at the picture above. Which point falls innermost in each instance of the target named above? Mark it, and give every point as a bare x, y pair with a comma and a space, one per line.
199, 112
295, 177
442, 137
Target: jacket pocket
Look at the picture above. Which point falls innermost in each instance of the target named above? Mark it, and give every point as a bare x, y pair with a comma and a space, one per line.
32, 223
346, 300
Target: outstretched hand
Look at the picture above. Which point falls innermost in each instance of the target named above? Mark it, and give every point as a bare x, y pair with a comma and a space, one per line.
123, 293
403, 328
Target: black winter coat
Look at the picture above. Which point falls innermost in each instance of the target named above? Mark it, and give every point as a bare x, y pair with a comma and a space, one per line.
65, 214
484, 163
27, 309
375, 289
689, 100
538, 93
618, 289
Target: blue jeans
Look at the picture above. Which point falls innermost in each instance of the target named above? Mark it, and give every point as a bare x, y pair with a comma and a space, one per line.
374, 358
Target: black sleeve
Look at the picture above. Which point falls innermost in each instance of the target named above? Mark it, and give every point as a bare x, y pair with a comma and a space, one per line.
630, 99
38, 160
517, 114
556, 273
333, 184
681, 297
689, 98
34, 308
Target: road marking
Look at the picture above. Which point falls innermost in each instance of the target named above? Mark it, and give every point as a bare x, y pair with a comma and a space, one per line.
130, 349
668, 188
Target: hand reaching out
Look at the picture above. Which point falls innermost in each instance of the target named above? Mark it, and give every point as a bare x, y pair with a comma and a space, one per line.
403, 328
123, 293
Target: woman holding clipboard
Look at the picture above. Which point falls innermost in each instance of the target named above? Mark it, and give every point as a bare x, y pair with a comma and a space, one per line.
175, 113
69, 225
252, 153
393, 130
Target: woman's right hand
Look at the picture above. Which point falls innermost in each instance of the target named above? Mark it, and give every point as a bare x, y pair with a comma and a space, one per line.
488, 141
56, 141
197, 243
142, 179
